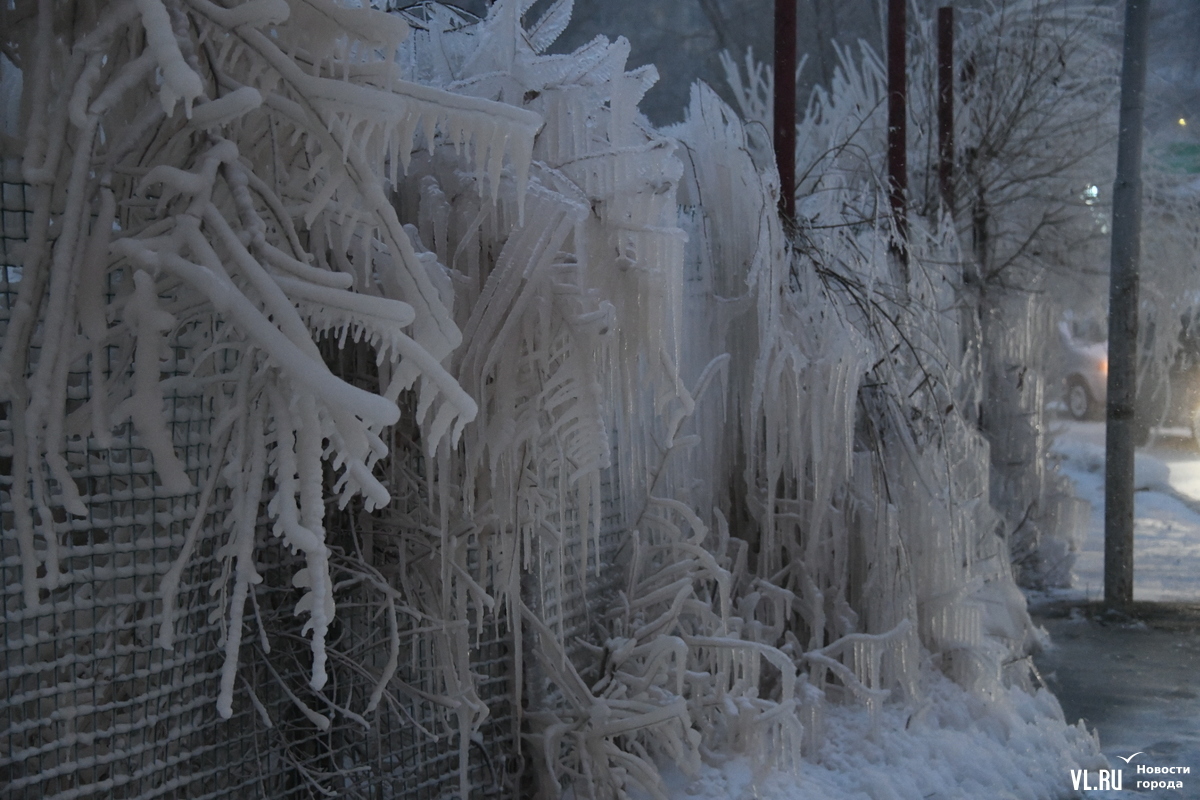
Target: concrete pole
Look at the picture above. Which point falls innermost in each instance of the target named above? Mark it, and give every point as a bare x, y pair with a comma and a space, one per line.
1123, 315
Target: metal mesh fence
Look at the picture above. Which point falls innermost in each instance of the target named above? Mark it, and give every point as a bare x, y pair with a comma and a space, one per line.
412, 748
92, 706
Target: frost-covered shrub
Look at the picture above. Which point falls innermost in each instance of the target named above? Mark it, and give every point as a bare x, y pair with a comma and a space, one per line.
214, 182
541, 296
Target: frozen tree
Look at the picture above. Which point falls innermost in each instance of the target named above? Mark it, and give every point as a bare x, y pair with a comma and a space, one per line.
771, 567
1166, 391
1035, 94
1036, 131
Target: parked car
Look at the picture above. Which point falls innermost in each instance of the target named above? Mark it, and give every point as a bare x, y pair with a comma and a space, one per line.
1167, 397
1085, 367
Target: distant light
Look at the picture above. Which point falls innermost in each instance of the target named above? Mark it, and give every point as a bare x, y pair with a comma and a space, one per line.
1183, 122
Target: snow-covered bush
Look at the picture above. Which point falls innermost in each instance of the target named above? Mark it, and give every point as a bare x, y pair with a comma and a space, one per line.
417, 269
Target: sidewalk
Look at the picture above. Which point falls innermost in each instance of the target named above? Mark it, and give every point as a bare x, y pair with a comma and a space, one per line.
1135, 681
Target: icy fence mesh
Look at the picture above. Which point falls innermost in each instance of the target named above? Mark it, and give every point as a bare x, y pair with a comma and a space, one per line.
412, 748
92, 706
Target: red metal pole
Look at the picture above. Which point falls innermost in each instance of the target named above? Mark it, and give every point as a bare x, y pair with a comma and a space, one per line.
897, 134
785, 105
945, 75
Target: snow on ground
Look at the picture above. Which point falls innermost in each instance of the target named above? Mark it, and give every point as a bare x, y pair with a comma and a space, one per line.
953, 748
1135, 682
1166, 546
1135, 685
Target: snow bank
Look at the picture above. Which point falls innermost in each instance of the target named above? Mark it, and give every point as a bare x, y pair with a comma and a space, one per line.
953, 747
1149, 473
1166, 525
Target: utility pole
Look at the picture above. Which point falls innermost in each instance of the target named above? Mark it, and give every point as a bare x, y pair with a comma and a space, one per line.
897, 131
1123, 315
785, 106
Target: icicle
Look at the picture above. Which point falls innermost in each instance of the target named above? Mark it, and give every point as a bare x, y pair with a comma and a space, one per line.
89, 299
169, 586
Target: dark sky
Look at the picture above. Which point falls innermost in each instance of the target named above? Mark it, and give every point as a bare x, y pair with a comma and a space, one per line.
684, 37
1174, 69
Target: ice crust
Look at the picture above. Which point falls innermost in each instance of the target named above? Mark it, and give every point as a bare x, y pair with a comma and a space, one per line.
554, 294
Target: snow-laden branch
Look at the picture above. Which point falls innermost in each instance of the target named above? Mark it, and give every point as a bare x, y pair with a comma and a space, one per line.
411, 262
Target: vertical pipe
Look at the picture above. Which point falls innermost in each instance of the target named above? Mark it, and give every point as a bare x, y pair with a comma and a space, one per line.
785, 105
897, 133
1123, 315
945, 113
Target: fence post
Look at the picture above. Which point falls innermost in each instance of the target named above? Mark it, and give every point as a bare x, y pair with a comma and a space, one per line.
945, 78
785, 105
897, 131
